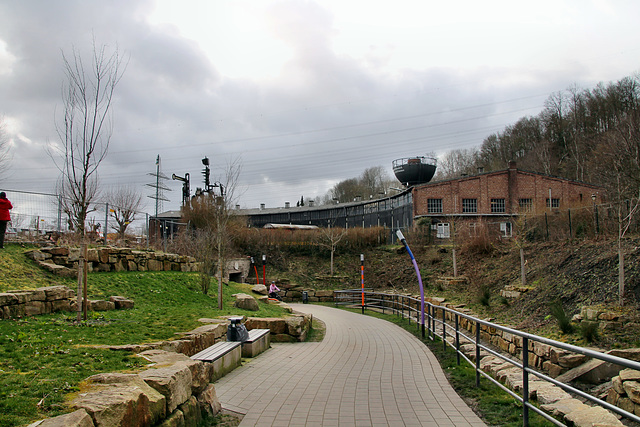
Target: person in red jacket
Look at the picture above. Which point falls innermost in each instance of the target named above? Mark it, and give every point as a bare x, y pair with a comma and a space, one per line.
5, 205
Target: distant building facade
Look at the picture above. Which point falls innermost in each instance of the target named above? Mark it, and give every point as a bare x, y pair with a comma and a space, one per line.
493, 200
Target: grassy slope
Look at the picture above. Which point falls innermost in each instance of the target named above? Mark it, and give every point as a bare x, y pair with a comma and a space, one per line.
42, 359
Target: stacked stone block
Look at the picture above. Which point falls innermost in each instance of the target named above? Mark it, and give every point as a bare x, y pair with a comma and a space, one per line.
625, 391
51, 299
64, 260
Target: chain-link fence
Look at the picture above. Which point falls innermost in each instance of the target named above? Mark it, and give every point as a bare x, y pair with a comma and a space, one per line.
35, 214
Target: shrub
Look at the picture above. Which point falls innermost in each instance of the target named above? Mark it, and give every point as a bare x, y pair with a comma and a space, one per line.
589, 330
485, 297
564, 322
479, 245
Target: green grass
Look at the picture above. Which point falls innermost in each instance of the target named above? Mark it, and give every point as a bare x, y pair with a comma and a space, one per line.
496, 407
44, 358
19, 272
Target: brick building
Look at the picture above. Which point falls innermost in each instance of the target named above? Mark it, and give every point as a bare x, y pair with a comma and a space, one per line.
495, 199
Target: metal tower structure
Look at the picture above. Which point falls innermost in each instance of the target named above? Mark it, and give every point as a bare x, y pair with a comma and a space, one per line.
159, 186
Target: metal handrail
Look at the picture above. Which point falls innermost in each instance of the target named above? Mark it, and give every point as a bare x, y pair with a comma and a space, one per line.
400, 304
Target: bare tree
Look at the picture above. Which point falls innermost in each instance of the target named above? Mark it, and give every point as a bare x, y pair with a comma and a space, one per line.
211, 223
458, 162
330, 238
85, 128
124, 203
372, 182
618, 167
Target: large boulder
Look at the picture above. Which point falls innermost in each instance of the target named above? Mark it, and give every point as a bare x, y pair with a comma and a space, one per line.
275, 324
173, 382
259, 289
246, 302
57, 292
200, 374
101, 305
592, 416
208, 402
632, 388
120, 399
121, 303
79, 418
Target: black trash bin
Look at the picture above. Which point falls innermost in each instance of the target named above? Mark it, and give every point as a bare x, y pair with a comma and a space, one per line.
305, 297
236, 331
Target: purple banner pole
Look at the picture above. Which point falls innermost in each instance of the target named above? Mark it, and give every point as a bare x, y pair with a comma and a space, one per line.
415, 265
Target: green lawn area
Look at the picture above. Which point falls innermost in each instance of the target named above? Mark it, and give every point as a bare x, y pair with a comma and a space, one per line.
44, 358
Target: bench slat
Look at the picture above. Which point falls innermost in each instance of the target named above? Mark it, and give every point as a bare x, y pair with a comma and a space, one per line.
256, 334
216, 351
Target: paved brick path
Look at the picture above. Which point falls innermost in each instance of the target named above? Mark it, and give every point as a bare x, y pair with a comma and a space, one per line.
366, 372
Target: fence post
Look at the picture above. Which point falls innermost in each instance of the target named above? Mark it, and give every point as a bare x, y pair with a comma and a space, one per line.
148, 236
444, 329
525, 381
429, 320
570, 228
106, 222
477, 354
546, 222
456, 323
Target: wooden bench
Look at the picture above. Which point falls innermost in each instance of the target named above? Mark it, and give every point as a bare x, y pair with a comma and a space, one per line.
259, 341
225, 356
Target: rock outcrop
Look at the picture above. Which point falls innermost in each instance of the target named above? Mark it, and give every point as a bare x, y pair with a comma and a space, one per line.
51, 299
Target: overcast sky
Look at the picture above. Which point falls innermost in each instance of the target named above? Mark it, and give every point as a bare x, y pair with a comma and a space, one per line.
302, 93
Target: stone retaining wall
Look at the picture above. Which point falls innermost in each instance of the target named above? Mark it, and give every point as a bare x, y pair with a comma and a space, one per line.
294, 294
64, 260
293, 328
550, 359
174, 391
51, 299
625, 391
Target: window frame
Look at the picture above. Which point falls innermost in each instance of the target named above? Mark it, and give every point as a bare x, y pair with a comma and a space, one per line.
443, 230
434, 206
498, 206
525, 205
469, 205
555, 203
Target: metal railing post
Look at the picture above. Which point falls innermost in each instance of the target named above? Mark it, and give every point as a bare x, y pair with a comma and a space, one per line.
477, 354
456, 322
525, 381
395, 305
428, 320
444, 330
433, 322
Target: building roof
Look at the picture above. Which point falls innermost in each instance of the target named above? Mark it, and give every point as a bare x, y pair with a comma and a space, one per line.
467, 177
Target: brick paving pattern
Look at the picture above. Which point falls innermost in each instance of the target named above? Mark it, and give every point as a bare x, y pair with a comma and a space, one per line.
366, 372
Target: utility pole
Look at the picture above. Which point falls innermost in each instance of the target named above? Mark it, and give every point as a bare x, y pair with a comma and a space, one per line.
159, 187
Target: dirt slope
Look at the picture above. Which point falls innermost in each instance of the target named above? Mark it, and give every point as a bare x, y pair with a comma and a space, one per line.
577, 273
